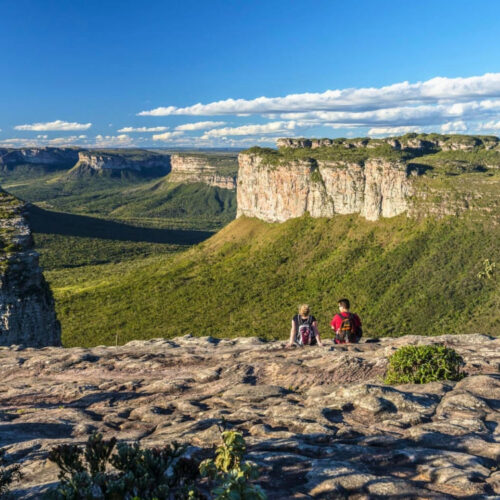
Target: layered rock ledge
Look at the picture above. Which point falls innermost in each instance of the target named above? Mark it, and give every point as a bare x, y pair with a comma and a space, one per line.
27, 311
319, 422
378, 188
203, 168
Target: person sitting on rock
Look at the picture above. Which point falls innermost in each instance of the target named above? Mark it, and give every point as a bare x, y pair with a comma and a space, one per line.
304, 329
346, 325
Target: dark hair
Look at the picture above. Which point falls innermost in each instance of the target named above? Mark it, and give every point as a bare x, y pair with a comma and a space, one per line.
344, 303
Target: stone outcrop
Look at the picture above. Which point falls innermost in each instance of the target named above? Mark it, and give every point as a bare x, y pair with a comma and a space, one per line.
317, 421
407, 142
56, 158
377, 188
27, 314
141, 162
198, 168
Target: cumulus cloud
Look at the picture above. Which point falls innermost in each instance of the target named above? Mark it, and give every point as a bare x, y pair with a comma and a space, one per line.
453, 127
430, 91
167, 136
199, 126
491, 125
280, 127
128, 130
58, 125
387, 131
122, 140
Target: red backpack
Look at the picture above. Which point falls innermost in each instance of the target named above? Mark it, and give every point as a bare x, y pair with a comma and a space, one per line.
348, 331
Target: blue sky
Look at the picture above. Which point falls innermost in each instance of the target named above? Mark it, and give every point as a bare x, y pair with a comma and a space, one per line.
125, 73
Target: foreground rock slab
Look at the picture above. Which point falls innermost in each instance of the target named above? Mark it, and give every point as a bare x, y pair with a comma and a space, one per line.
319, 422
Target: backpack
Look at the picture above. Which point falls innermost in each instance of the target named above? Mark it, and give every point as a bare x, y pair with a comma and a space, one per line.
348, 331
305, 331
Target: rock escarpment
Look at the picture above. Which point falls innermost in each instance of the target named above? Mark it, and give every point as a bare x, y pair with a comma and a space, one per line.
377, 188
406, 142
417, 174
56, 158
202, 168
114, 163
318, 422
27, 314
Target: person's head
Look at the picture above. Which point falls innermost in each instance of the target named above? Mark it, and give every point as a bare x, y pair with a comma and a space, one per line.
344, 304
304, 310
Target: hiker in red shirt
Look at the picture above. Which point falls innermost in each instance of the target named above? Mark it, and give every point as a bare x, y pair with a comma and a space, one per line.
346, 325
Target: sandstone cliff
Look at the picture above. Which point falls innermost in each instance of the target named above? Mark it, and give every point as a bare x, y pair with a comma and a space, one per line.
424, 174
141, 162
211, 170
27, 314
56, 158
318, 422
408, 142
377, 188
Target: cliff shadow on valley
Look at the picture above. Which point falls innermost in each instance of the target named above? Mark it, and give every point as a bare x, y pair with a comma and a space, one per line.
65, 224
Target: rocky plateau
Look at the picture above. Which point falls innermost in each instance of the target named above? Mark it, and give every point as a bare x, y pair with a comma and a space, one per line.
143, 162
319, 422
192, 169
379, 188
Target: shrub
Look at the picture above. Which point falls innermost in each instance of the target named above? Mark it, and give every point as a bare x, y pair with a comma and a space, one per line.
158, 473
165, 473
231, 476
422, 364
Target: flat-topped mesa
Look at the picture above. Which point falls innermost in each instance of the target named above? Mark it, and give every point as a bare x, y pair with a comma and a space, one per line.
114, 162
375, 188
27, 314
217, 171
55, 158
411, 141
417, 174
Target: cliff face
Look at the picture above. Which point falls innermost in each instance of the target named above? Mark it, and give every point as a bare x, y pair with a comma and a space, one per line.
141, 162
191, 169
27, 314
408, 142
379, 188
53, 157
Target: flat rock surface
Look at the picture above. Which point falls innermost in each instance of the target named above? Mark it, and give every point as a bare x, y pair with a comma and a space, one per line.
318, 421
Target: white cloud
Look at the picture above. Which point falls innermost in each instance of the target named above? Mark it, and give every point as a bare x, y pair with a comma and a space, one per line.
142, 129
281, 127
457, 126
491, 125
167, 136
199, 126
389, 131
121, 140
55, 125
430, 91
40, 136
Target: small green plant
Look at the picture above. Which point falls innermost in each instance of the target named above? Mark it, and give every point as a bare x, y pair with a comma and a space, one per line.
134, 473
488, 269
8, 474
422, 364
232, 476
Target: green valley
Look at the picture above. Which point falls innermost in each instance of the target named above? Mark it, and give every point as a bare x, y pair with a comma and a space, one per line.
403, 276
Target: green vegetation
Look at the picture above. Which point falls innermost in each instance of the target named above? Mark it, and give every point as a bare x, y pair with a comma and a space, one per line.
403, 276
232, 476
338, 153
422, 364
199, 204
153, 474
